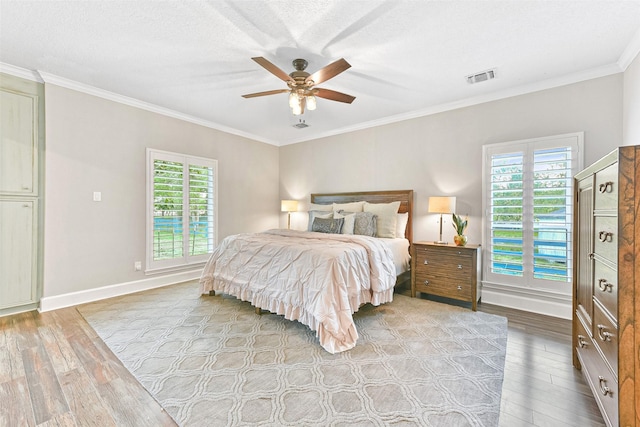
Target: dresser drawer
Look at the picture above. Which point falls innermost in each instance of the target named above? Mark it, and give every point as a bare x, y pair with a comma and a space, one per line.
600, 379
605, 335
606, 237
605, 288
444, 287
444, 263
606, 189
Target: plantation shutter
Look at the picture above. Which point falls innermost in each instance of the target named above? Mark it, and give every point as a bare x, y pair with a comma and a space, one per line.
181, 204
168, 183
529, 205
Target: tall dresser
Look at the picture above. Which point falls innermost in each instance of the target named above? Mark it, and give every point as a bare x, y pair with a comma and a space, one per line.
606, 288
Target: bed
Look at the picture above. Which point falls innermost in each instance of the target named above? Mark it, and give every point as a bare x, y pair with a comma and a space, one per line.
318, 279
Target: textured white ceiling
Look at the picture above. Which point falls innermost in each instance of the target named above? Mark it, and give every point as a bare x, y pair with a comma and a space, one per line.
408, 57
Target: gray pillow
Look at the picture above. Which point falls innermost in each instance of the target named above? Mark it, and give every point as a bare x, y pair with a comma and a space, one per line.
317, 214
365, 224
327, 225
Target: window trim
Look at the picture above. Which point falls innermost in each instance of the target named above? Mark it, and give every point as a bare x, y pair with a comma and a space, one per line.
527, 146
186, 262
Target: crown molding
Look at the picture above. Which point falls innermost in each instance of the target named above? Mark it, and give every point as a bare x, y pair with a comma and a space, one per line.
20, 72
568, 79
49, 78
630, 52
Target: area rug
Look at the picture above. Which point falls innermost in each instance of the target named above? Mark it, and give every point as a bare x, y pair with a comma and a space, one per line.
213, 361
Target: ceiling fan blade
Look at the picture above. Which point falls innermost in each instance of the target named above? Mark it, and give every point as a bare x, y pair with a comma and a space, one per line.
269, 92
330, 71
272, 69
333, 95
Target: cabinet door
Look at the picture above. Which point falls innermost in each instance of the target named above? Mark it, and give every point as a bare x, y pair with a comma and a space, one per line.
18, 143
584, 261
17, 252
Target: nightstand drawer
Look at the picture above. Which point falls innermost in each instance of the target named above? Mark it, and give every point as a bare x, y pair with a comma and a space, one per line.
444, 287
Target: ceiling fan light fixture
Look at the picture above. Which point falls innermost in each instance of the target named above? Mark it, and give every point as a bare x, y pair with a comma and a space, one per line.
297, 109
311, 102
293, 99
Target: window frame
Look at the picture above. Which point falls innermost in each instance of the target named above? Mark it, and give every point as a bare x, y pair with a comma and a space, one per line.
527, 147
186, 261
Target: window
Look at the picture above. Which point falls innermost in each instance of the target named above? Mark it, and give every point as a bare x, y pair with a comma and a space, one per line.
528, 202
182, 209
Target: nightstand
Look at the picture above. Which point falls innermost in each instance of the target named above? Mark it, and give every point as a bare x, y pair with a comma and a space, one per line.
446, 270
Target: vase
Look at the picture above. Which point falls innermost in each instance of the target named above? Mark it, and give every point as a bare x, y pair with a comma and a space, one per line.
460, 240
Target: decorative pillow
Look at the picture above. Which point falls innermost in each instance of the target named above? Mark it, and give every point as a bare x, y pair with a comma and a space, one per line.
322, 208
349, 222
348, 207
387, 217
365, 224
401, 225
327, 225
317, 214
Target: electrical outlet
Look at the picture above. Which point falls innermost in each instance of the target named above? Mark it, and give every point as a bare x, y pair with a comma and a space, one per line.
137, 265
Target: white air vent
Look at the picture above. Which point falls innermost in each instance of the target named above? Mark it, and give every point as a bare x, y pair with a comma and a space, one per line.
481, 77
301, 125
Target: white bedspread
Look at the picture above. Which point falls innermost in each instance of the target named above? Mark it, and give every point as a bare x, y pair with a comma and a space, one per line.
315, 278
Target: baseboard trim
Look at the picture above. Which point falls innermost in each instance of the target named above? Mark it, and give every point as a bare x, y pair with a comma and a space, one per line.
91, 295
533, 300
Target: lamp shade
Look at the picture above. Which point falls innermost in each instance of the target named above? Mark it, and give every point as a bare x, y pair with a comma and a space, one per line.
442, 205
289, 205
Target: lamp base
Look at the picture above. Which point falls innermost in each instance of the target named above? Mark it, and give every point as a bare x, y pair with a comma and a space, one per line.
441, 242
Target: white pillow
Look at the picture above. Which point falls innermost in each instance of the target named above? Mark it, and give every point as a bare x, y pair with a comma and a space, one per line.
401, 225
323, 208
349, 222
348, 207
387, 217
317, 214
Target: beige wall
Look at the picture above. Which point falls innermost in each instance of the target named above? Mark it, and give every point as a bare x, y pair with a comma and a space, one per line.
93, 144
631, 104
441, 154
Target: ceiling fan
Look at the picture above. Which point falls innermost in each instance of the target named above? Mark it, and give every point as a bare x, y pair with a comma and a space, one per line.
302, 90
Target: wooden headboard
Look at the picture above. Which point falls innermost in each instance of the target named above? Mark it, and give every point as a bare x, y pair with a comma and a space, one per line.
405, 197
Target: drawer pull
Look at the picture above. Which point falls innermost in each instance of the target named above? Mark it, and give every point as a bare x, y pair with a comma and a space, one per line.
605, 236
581, 341
426, 282
426, 262
459, 287
604, 285
604, 335
603, 386
459, 266
606, 187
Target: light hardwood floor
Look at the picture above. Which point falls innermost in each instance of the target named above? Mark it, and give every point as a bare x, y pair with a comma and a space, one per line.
55, 371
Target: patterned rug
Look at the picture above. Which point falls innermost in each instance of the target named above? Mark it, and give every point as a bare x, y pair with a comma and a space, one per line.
213, 361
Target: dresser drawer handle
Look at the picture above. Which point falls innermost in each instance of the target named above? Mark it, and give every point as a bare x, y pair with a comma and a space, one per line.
426, 262
459, 287
604, 335
581, 341
604, 285
606, 187
426, 282
603, 386
459, 266
605, 236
